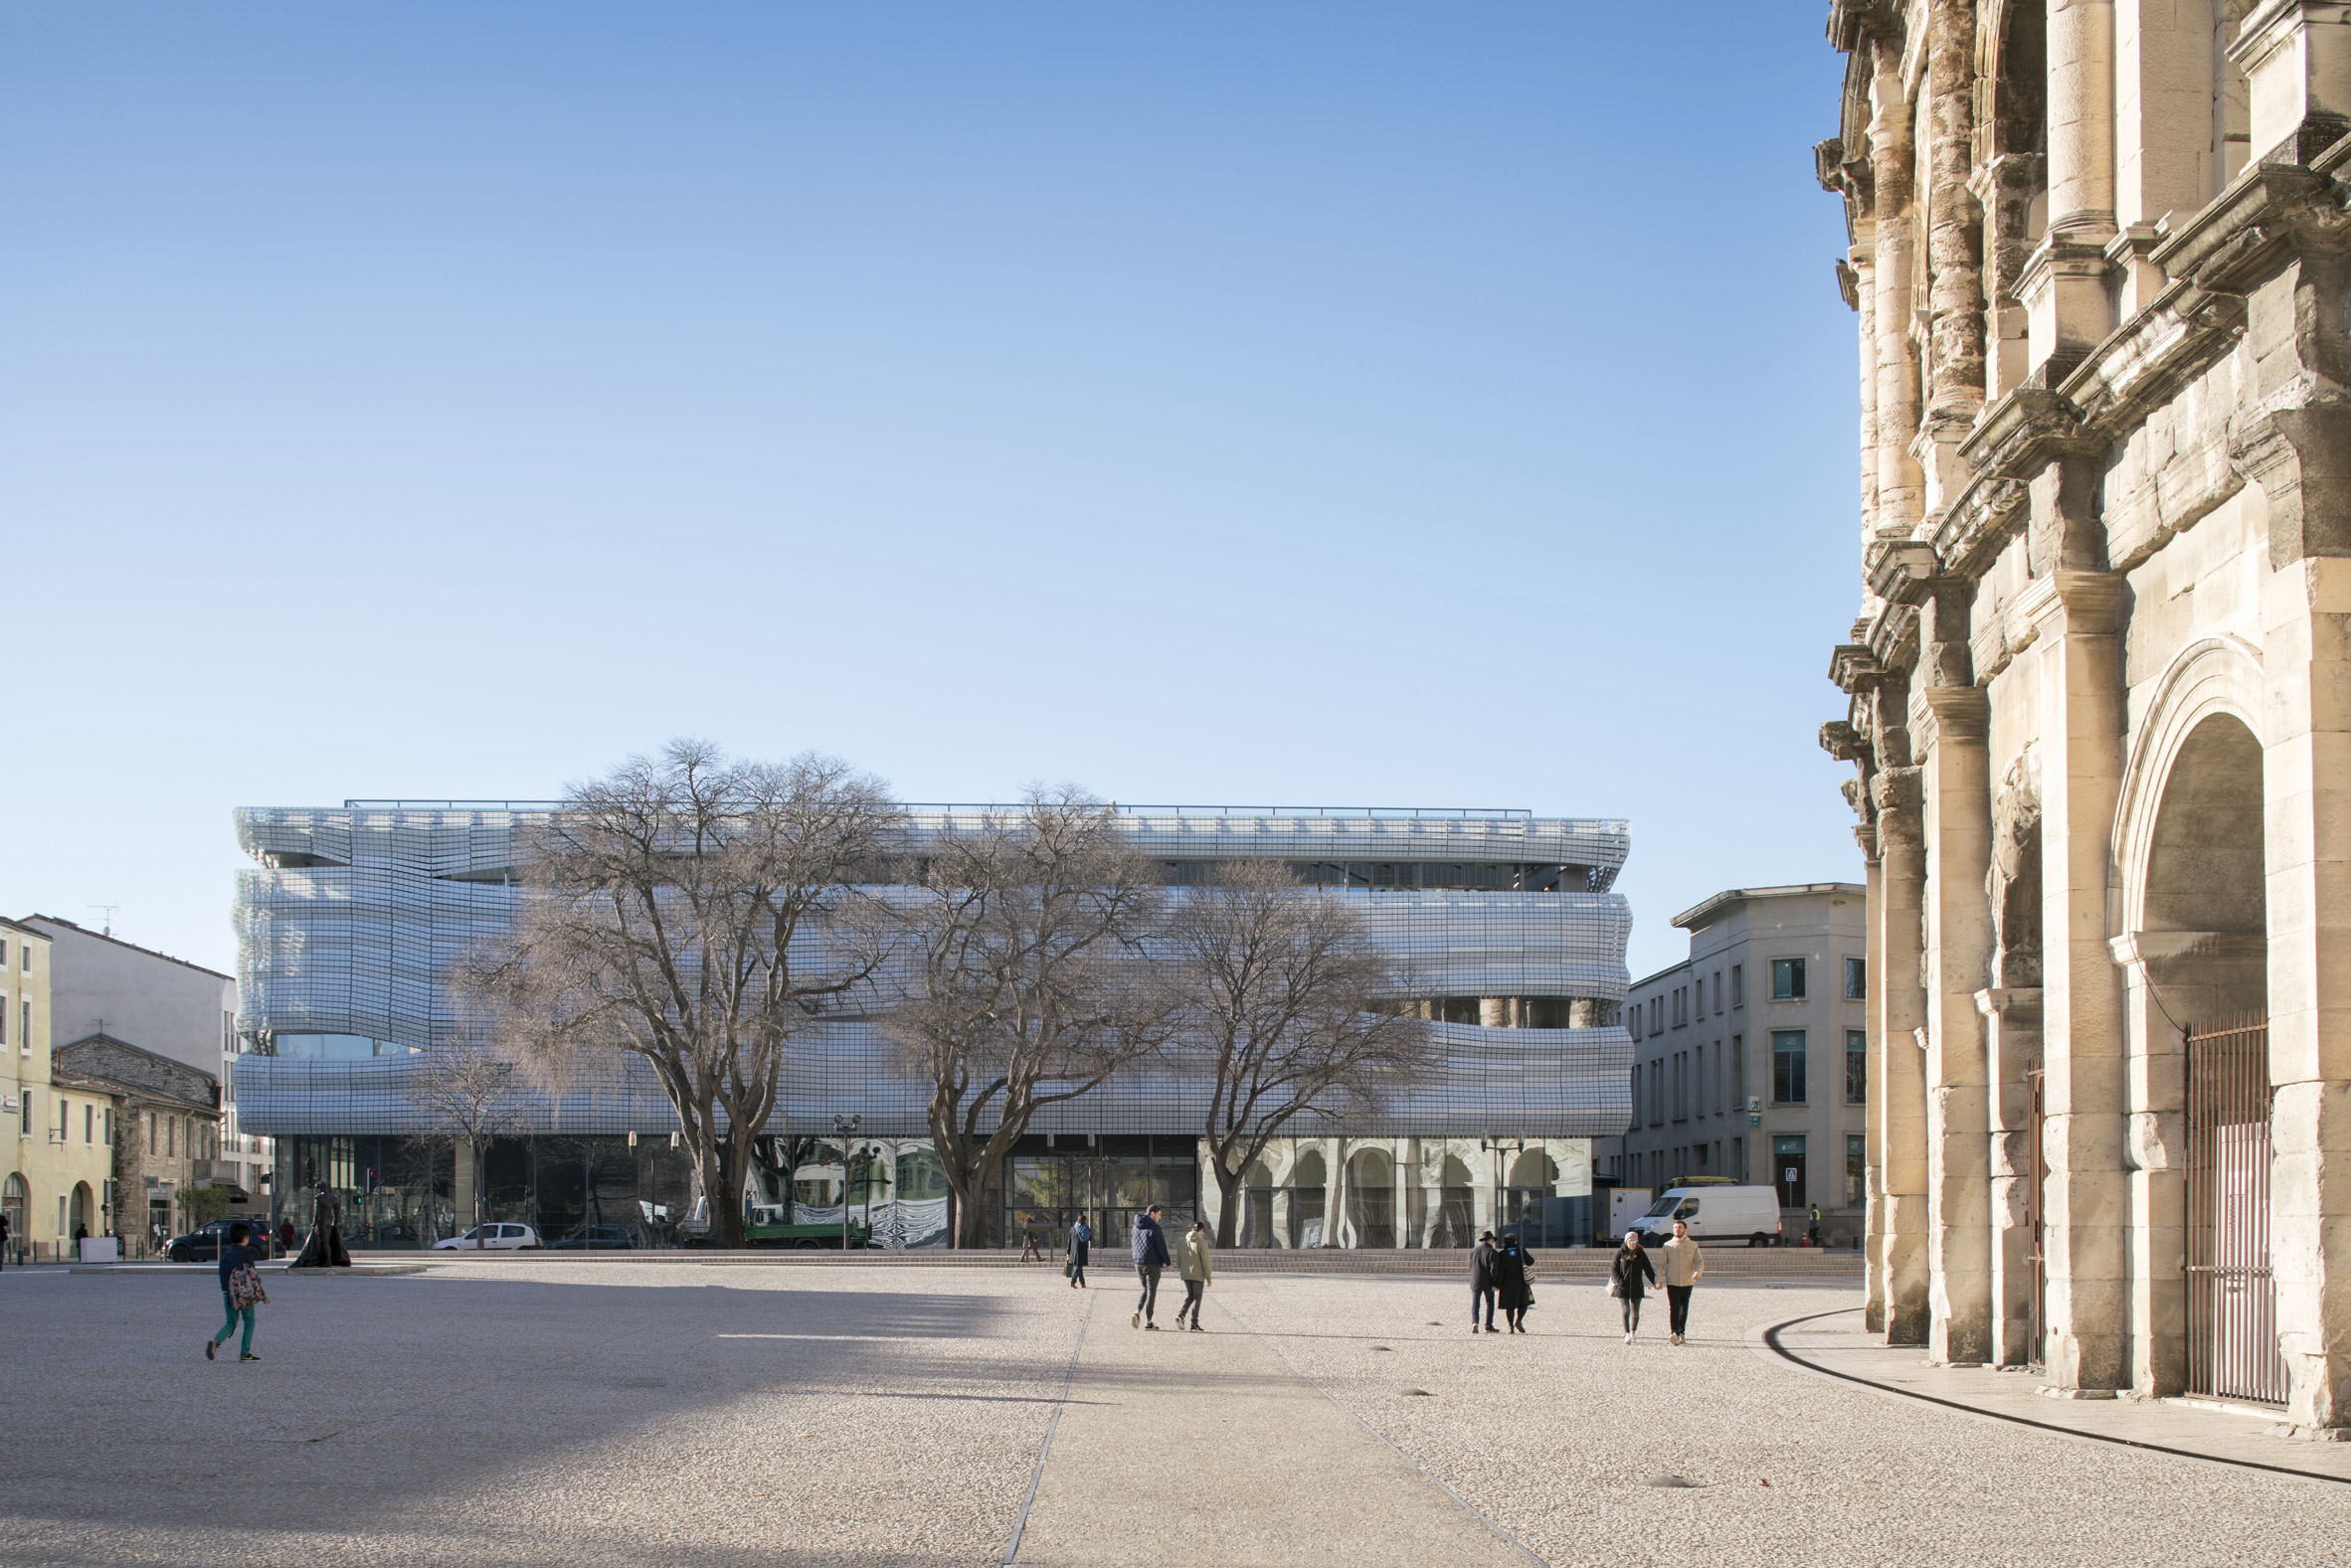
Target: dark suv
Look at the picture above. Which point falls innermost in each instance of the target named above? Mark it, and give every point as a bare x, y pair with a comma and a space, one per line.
203, 1244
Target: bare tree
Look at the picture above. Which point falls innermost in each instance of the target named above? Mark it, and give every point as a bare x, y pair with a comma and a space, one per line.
1030, 983
682, 911
1288, 1008
469, 1096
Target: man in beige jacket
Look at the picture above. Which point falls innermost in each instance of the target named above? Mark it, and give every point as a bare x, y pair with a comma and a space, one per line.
1679, 1265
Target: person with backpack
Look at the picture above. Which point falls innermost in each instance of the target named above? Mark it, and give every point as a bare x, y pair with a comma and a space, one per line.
1081, 1247
240, 1291
1150, 1249
1625, 1272
1194, 1266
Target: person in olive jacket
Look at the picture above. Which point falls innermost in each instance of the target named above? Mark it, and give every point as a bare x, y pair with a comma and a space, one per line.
1482, 1282
1630, 1267
1195, 1266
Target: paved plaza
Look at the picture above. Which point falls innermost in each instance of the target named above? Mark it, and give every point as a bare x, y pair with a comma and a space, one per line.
540, 1412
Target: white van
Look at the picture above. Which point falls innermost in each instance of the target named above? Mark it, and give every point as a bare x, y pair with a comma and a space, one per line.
1720, 1215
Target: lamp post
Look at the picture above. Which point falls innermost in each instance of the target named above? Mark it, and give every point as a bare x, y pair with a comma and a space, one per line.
847, 1127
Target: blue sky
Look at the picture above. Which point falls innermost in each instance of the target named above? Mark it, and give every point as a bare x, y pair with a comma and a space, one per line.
1359, 404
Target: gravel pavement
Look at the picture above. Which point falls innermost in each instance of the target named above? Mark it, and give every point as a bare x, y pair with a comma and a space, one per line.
697, 1414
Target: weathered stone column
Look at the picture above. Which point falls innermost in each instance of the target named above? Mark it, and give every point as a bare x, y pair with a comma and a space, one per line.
2063, 285
2073, 612
2012, 1048
1900, 484
1958, 845
1873, 1136
1954, 252
2306, 775
1899, 1009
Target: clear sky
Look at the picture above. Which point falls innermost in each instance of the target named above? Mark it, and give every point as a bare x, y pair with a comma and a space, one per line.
1299, 404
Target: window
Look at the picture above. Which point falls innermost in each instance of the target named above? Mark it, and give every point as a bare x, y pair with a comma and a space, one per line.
1681, 1006
1857, 1170
1857, 979
1738, 1072
150, 1132
1787, 1067
171, 1132
1738, 985
3, 1020
1697, 1005
1657, 1015
89, 1120
3, 953
1787, 1171
1739, 1159
1657, 1091
1681, 1086
24, 1126
24, 1037
1717, 993
1788, 979
24, 952
1857, 1067
1636, 1093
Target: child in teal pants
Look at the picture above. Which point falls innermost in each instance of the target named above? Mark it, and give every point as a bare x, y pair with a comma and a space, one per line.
233, 1257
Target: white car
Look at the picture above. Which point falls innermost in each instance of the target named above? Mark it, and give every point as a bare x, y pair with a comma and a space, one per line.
492, 1238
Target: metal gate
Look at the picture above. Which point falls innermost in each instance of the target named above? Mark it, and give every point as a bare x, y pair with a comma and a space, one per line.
2232, 1299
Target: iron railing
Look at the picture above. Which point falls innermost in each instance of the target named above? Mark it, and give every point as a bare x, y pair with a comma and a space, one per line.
2232, 1295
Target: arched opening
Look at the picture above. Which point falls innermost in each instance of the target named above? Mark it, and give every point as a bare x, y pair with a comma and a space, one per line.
82, 1220
1371, 1198
2204, 965
2014, 66
1456, 1222
16, 1201
1308, 1179
1257, 1206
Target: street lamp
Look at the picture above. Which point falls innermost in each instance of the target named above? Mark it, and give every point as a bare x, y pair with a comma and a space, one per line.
847, 1127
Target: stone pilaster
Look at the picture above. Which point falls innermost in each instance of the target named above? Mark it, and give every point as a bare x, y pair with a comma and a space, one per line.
1900, 484
1873, 1218
2296, 59
2012, 1050
1959, 844
2307, 776
1899, 1016
2086, 1199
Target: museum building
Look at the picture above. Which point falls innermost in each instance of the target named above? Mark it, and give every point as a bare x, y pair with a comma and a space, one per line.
353, 920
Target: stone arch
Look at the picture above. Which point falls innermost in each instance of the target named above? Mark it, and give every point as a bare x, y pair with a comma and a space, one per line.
1534, 1169
84, 1211
1372, 1197
2214, 676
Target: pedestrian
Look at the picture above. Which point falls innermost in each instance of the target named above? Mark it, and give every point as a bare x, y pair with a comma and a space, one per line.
1482, 1258
1081, 1247
3, 1238
1684, 1264
1151, 1256
1625, 1272
1812, 1234
1513, 1292
284, 1237
1195, 1266
241, 1292
1031, 1251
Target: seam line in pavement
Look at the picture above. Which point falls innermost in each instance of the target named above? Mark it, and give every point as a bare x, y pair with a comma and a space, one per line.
1472, 1509
1770, 1338
1068, 1379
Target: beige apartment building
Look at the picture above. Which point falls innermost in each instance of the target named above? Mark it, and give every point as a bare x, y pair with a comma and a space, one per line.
167, 1136
2100, 685
60, 1182
1750, 1056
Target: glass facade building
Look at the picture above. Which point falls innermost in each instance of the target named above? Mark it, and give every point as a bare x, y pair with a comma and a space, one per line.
352, 919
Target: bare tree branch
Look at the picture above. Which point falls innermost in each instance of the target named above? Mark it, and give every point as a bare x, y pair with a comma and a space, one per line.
678, 910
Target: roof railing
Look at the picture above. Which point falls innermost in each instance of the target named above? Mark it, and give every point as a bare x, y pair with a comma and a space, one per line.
1434, 813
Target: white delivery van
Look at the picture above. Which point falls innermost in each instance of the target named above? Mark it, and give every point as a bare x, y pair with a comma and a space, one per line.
1720, 1215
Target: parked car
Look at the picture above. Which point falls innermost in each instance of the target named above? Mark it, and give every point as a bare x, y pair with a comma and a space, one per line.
596, 1238
492, 1238
203, 1244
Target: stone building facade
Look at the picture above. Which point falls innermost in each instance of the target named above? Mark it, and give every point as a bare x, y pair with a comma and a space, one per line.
2099, 688
166, 1140
1748, 1056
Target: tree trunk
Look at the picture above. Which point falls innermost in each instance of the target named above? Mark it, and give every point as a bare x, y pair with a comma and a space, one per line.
1228, 1191
731, 1158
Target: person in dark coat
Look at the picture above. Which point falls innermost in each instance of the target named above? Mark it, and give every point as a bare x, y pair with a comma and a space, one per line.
1482, 1258
1630, 1267
1511, 1286
1081, 1247
1151, 1256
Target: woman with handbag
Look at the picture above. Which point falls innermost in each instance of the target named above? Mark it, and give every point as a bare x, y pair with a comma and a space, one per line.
240, 1291
1629, 1267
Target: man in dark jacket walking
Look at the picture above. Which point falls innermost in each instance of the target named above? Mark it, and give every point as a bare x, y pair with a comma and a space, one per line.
1482, 1282
1150, 1248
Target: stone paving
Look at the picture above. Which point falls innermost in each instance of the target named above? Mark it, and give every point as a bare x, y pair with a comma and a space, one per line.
699, 1415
